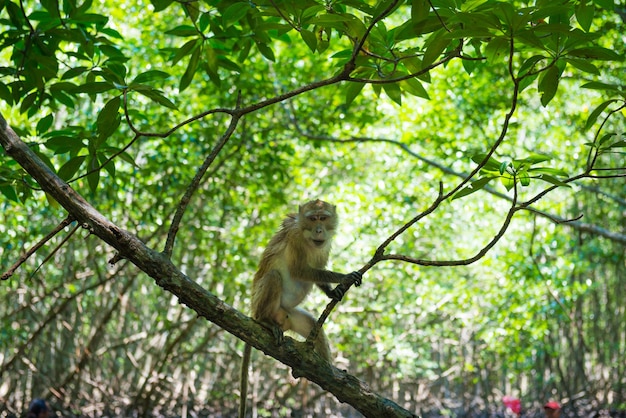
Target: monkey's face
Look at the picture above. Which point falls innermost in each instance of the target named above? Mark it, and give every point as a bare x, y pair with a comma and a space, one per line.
318, 229
318, 221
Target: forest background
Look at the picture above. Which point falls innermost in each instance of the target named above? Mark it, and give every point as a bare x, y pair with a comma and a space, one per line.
474, 150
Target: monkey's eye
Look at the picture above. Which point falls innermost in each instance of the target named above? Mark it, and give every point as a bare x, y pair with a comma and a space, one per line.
322, 218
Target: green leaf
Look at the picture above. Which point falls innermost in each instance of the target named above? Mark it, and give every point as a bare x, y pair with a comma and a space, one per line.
491, 165
552, 180
414, 87
496, 49
112, 33
235, 12
160, 5
597, 53
94, 18
419, 10
185, 80
584, 14
548, 170
527, 80
70, 168
186, 49
158, 97
309, 39
472, 187
596, 112
112, 52
383, 5
95, 87
74, 72
109, 151
61, 143
192, 10
5, 94
149, 76
355, 27
353, 90
583, 65
63, 98
503, 166
394, 92
44, 124
524, 178
330, 19
605, 139
28, 102
606, 4
9, 192
211, 66
109, 118
266, 51
530, 63
204, 22
470, 5
434, 49
549, 84
508, 181
93, 178
597, 85
534, 158
183, 30
618, 144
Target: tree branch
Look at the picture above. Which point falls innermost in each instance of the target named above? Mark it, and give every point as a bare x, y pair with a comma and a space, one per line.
304, 362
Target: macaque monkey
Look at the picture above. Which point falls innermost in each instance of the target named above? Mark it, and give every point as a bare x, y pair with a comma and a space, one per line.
293, 261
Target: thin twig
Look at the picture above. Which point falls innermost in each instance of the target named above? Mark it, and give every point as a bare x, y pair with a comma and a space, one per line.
480, 254
55, 249
65, 222
195, 183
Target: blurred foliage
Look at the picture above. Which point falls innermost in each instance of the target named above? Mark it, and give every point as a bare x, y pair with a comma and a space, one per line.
126, 100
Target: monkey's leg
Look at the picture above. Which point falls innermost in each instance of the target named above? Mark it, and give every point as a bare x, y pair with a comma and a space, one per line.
303, 322
266, 304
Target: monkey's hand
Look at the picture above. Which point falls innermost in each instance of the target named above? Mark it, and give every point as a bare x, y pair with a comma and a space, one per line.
353, 278
349, 279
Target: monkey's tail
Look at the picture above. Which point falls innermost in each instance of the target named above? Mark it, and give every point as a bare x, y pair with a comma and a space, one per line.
243, 380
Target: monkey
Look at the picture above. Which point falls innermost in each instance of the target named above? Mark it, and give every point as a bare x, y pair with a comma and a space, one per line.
292, 262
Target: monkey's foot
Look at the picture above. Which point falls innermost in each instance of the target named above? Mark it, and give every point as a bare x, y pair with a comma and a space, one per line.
278, 334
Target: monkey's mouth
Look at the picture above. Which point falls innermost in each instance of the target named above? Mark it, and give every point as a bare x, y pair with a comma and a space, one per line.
318, 242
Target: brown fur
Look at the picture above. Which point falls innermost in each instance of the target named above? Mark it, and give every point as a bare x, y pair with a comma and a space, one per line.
293, 261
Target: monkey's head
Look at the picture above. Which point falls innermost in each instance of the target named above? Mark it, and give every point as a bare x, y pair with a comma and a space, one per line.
318, 222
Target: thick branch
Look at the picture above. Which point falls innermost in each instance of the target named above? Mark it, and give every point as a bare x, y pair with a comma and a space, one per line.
305, 362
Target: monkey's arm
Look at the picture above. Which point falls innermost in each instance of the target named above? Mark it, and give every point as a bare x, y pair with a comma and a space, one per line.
327, 288
337, 293
304, 273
